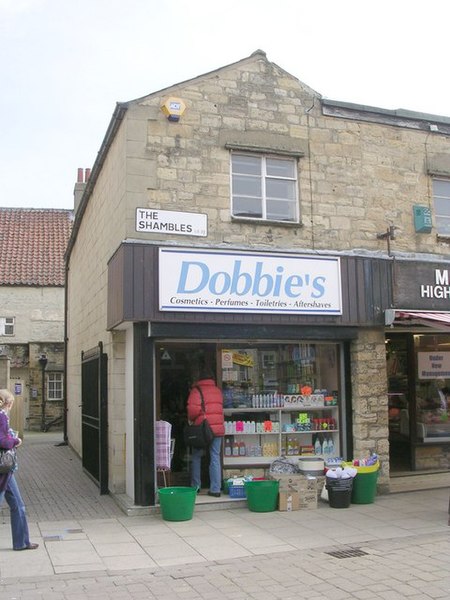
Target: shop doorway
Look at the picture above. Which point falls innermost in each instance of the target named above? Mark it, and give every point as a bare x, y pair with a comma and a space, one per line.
400, 403
178, 365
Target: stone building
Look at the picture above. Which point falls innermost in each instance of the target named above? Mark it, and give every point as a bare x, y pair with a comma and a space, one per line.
242, 221
32, 277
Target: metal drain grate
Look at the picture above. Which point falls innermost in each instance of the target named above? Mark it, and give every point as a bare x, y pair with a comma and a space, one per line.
350, 553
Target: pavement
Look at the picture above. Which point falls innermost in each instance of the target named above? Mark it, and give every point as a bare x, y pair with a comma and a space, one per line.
396, 547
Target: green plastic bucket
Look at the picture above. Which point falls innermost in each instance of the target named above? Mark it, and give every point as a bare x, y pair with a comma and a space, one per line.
365, 483
262, 495
177, 503
365, 487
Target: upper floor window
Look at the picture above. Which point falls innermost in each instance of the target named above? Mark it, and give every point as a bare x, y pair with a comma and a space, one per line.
441, 197
6, 325
54, 386
264, 187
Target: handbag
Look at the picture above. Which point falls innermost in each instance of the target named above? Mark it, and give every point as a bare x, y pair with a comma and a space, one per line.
199, 436
8, 460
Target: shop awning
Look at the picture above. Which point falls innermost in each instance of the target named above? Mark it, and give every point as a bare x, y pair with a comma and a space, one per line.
437, 320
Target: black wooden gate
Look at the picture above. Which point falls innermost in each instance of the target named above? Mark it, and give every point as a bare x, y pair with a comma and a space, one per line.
94, 415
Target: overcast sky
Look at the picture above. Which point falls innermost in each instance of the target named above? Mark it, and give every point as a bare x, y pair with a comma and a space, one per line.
65, 63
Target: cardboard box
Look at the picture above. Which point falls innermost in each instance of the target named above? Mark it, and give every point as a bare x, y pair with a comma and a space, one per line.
230, 473
288, 500
308, 501
296, 481
320, 484
256, 472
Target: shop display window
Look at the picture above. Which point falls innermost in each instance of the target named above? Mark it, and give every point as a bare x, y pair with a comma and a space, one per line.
280, 399
433, 387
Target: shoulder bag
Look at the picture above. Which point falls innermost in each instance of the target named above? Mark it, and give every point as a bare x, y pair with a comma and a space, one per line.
8, 460
199, 436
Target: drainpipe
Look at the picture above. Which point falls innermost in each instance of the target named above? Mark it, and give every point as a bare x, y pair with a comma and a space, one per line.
43, 362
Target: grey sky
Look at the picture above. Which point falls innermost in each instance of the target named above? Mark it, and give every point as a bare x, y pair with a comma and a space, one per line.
65, 64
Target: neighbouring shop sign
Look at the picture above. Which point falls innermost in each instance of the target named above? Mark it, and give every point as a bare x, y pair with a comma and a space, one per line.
433, 365
233, 282
422, 285
149, 220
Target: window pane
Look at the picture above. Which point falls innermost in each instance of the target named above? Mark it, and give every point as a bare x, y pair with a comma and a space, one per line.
280, 188
247, 207
279, 167
246, 164
441, 188
281, 211
443, 226
442, 206
245, 185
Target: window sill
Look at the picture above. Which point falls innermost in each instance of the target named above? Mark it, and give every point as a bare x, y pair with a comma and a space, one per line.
250, 221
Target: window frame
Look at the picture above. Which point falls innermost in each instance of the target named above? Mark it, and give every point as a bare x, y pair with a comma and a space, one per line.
6, 322
51, 381
439, 216
266, 177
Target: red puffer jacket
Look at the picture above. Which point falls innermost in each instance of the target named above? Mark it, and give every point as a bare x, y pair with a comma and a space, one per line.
213, 398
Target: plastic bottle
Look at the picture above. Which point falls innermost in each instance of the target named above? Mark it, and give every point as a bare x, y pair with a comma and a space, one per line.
236, 449
242, 449
317, 446
325, 447
228, 450
330, 447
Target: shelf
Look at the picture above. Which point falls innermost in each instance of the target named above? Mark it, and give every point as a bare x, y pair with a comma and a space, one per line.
252, 433
229, 461
323, 431
283, 416
229, 411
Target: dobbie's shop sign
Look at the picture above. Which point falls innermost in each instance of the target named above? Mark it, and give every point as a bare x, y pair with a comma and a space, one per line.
207, 281
150, 220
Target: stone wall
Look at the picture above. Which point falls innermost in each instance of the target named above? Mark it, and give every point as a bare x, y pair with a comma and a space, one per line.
370, 400
432, 457
355, 178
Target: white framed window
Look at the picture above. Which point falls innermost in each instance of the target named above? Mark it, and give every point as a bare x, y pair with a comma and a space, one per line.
7, 325
441, 198
54, 386
264, 187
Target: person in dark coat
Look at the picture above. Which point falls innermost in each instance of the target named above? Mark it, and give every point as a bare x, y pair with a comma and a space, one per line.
213, 399
8, 484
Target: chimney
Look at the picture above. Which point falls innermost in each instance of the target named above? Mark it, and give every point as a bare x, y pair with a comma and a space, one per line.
80, 185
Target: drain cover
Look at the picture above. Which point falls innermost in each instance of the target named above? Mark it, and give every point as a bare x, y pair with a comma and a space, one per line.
350, 553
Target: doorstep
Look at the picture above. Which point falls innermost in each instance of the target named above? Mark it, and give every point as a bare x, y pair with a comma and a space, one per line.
202, 502
413, 481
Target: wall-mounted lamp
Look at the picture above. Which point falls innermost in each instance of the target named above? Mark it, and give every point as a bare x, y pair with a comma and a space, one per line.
388, 235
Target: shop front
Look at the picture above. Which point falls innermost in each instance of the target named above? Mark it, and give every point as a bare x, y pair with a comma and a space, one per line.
276, 329
281, 397
418, 368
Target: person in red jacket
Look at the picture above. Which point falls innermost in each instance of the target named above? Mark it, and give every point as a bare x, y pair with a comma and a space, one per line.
213, 399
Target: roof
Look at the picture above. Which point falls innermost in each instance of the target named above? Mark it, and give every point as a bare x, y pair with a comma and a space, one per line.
32, 246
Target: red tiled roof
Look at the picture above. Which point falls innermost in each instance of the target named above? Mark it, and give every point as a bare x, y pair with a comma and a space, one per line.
32, 245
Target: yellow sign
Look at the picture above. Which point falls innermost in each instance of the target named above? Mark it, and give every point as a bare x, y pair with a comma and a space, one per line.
242, 359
